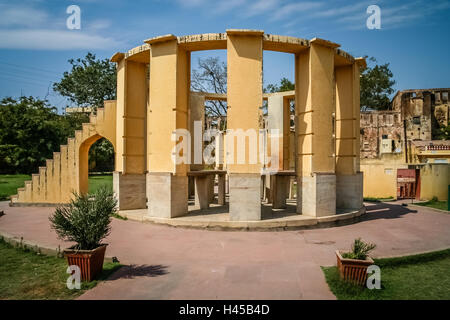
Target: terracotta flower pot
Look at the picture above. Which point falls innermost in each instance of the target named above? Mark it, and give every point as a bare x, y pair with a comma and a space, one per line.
353, 270
90, 262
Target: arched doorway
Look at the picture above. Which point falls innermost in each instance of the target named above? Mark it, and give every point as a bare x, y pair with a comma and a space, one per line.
96, 164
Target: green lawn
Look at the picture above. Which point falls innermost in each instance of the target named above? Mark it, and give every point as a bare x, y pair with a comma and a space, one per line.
372, 199
424, 276
9, 183
442, 205
95, 181
27, 275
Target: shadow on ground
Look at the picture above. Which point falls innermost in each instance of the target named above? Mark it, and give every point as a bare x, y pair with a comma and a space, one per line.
383, 210
134, 271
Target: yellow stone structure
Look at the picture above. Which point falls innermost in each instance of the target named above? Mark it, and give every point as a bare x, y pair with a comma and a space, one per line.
154, 104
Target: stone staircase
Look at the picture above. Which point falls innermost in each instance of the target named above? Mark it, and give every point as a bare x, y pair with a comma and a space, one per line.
64, 174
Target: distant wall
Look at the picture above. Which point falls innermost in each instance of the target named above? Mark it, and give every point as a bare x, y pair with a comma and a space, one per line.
380, 176
435, 179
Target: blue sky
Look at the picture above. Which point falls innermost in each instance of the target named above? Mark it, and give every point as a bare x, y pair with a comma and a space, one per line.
35, 43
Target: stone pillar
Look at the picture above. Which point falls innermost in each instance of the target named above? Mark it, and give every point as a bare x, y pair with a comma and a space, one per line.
221, 189
349, 181
278, 119
167, 151
314, 117
280, 191
130, 165
196, 127
278, 123
202, 192
244, 85
211, 183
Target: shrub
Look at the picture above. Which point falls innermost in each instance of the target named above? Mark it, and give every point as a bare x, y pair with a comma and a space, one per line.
360, 250
85, 220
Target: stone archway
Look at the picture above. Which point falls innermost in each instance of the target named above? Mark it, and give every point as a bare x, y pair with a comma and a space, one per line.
83, 162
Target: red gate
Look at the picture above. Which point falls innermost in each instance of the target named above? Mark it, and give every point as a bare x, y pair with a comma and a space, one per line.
408, 183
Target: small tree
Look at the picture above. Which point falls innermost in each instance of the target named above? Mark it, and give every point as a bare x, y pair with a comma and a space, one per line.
84, 220
89, 83
376, 86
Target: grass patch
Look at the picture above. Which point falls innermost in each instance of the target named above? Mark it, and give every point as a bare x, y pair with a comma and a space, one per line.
9, 183
26, 275
372, 199
416, 277
434, 203
96, 181
118, 216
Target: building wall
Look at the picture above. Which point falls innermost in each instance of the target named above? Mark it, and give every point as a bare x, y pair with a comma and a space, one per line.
435, 179
375, 126
380, 176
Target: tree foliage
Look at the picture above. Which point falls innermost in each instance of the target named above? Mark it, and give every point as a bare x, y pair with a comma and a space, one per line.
376, 86
30, 131
285, 85
101, 156
211, 76
89, 83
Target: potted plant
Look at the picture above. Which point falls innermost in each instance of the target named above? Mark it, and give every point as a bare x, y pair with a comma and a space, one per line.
353, 265
85, 221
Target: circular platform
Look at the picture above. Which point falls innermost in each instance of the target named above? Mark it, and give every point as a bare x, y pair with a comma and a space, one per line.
217, 218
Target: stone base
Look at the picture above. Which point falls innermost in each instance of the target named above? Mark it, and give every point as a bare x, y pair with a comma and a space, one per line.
202, 192
349, 191
280, 187
317, 195
167, 195
245, 196
129, 190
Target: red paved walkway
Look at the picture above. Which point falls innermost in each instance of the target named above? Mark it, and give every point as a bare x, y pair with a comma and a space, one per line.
174, 263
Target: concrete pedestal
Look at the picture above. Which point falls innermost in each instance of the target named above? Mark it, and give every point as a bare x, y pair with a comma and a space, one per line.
211, 182
245, 196
349, 191
167, 195
191, 187
317, 195
202, 192
129, 190
280, 185
221, 190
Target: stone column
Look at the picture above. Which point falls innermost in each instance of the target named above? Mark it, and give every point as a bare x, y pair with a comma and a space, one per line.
168, 152
348, 178
196, 127
244, 85
278, 119
130, 165
314, 109
278, 123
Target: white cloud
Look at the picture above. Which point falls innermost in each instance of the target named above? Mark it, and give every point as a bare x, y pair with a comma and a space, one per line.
14, 16
292, 8
260, 7
25, 27
99, 24
42, 39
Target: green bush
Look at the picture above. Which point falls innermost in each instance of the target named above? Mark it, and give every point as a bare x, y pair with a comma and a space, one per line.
360, 250
86, 219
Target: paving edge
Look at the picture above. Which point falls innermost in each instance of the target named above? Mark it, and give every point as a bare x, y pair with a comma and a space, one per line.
433, 209
35, 247
263, 225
